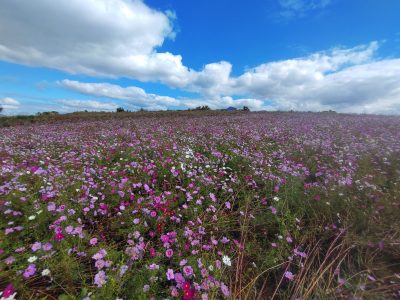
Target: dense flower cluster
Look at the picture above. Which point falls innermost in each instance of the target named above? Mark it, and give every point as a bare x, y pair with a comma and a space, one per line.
144, 205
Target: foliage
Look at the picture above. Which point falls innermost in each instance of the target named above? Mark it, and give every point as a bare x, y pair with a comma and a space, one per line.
204, 107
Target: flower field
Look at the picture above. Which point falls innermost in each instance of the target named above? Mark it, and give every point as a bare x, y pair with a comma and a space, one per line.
193, 205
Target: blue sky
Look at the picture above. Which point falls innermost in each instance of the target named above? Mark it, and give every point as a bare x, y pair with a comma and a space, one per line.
313, 55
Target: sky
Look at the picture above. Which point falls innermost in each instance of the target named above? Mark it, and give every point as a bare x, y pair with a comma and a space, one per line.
97, 55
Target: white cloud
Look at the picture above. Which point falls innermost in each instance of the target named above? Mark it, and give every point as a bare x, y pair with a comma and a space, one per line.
110, 38
70, 104
134, 95
9, 103
214, 78
136, 98
345, 80
299, 8
120, 38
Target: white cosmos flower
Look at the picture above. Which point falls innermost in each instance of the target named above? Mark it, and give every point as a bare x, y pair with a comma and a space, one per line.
31, 218
226, 260
32, 259
46, 272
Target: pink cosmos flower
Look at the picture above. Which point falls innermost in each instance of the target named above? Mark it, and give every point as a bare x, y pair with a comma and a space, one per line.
212, 197
289, 275
225, 290
188, 271
100, 279
224, 240
99, 264
165, 238
29, 271
9, 260
69, 229
93, 241
36, 246
169, 253
47, 247
170, 274
179, 278
174, 292
183, 262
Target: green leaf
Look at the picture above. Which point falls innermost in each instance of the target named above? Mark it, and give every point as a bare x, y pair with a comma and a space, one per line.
64, 297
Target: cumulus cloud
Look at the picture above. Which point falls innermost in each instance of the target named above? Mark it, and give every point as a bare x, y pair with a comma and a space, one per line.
345, 80
9, 103
213, 79
367, 88
136, 97
120, 38
110, 38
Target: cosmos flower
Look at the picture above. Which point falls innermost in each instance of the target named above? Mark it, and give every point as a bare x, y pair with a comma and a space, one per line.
9, 260
46, 272
188, 271
165, 238
29, 271
170, 274
8, 293
59, 236
225, 290
289, 275
32, 259
36, 246
169, 253
226, 260
47, 246
100, 279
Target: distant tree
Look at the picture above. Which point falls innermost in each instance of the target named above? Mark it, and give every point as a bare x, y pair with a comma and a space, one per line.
120, 109
245, 108
204, 107
1, 108
47, 113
